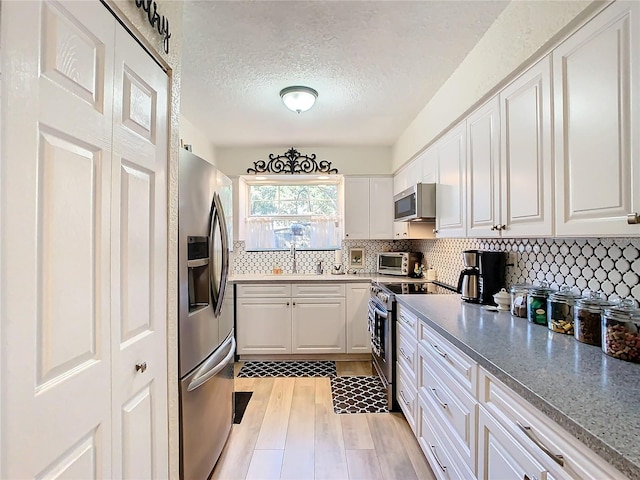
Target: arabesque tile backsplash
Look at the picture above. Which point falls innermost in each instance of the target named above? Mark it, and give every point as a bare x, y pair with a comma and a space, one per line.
608, 265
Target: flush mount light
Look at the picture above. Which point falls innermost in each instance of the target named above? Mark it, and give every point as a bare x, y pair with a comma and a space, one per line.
298, 99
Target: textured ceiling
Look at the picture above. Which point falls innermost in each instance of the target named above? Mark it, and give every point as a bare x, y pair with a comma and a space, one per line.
375, 65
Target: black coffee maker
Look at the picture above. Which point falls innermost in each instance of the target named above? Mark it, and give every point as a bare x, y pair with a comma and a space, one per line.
492, 268
483, 275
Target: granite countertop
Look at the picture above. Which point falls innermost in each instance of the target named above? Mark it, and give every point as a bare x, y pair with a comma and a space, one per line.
593, 396
313, 277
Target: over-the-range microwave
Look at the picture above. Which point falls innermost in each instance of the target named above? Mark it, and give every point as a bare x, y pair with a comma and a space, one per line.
417, 201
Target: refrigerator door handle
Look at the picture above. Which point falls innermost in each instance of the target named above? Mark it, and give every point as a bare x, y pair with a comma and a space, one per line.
218, 233
214, 365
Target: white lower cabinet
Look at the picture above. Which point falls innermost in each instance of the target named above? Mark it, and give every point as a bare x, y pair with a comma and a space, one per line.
470, 425
263, 325
503, 458
305, 318
317, 325
358, 338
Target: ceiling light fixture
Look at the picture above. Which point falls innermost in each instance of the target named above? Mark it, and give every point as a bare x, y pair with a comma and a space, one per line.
298, 99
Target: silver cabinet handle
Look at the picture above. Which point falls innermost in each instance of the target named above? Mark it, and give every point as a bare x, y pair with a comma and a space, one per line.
404, 399
556, 457
440, 352
435, 394
433, 450
287, 304
404, 354
527, 477
501, 227
141, 367
294, 304
632, 218
435, 230
404, 320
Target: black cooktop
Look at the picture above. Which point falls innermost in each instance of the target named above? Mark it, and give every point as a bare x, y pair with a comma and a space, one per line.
417, 288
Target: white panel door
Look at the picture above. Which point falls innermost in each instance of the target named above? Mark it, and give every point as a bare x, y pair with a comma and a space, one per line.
318, 325
597, 107
525, 155
139, 264
55, 184
357, 320
450, 194
483, 171
263, 325
381, 208
356, 208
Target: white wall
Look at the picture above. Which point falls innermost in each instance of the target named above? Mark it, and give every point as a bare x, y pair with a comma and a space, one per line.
200, 143
348, 160
524, 28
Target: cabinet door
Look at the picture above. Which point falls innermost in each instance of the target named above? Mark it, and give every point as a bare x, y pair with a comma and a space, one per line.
483, 170
429, 165
263, 325
450, 202
381, 208
526, 162
400, 182
414, 171
318, 325
597, 146
501, 456
356, 208
358, 338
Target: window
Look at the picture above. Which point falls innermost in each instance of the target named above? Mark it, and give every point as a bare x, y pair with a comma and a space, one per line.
305, 214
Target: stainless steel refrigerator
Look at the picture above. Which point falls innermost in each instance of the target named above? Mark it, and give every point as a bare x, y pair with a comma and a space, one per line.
206, 340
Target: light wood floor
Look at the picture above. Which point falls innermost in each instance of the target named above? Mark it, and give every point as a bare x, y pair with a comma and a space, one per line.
289, 431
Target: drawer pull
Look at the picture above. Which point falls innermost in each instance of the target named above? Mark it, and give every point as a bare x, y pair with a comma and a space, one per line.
435, 394
433, 450
403, 398
556, 457
404, 354
404, 320
440, 352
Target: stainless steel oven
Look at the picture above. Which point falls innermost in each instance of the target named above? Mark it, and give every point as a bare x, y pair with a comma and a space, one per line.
381, 325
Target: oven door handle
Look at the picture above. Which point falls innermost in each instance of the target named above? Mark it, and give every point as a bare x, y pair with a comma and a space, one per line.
375, 309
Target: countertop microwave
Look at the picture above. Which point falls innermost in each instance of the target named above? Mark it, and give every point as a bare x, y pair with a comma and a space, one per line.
418, 201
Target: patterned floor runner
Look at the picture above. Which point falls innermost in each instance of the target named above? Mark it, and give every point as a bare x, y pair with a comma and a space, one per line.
288, 369
358, 395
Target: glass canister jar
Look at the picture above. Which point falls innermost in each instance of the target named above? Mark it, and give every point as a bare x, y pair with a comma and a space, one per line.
621, 331
587, 318
560, 310
537, 304
519, 299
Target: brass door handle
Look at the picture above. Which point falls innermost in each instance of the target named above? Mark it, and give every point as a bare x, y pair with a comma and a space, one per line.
633, 218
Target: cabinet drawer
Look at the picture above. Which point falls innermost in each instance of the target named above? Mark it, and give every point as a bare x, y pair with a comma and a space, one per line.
407, 353
533, 429
263, 290
452, 360
407, 396
434, 444
317, 290
456, 410
408, 320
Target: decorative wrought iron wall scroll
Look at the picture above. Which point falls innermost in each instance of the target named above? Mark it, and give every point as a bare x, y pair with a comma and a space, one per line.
292, 162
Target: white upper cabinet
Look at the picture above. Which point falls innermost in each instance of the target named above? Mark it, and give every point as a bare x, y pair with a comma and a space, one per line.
430, 165
526, 161
380, 208
483, 171
368, 208
597, 106
450, 196
356, 211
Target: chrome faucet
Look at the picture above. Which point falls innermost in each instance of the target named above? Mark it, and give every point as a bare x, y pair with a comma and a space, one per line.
319, 269
293, 252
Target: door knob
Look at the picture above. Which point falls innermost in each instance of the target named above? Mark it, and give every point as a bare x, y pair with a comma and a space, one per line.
632, 218
141, 367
